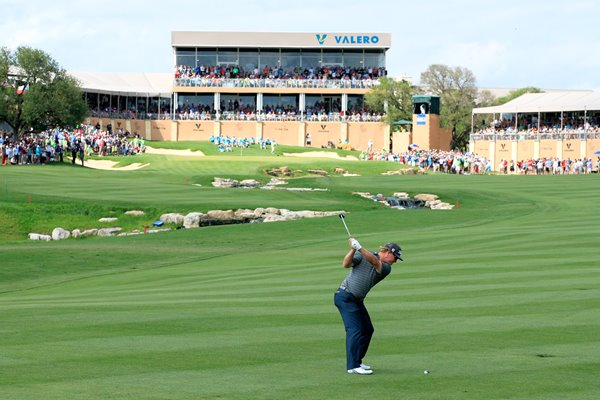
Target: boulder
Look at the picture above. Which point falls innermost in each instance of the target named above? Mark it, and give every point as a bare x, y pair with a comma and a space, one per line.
221, 214
90, 232
340, 171
192, 220
259, 212
108, 219
318, 172
135, 212
249, 183
39, 236
272, 210
75, 233
426, 197
245, 213
172, 218
225, 183
60, 234
109, 231
275, 218
402, 195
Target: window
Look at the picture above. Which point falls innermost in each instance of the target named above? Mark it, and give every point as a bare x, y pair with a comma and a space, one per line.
332, 57
353, 58
374, 58
280, 103
269, 58
186, 57
311, 58
207, 57
290, 59
227, 57
248, 59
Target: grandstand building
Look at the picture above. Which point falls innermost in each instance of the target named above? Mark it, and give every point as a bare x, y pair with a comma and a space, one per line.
281, 86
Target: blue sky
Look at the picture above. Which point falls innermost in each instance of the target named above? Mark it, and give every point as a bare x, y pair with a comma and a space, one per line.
507, 44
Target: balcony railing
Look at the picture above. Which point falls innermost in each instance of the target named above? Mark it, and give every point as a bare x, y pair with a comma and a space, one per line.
276, 83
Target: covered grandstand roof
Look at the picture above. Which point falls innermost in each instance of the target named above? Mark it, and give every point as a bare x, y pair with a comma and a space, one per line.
547, 102
126, 84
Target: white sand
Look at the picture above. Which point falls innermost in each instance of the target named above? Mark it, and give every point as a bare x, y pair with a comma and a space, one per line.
108, 165
173, 152
324, 154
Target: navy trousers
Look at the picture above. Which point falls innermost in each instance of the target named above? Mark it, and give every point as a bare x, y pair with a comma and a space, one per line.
359, 328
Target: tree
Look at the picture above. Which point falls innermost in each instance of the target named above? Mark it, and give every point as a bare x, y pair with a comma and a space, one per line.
458, 92
38, 93
513, 94
396, 94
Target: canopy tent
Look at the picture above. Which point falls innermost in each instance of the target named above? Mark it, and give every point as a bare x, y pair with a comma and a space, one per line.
546, 102
126, 84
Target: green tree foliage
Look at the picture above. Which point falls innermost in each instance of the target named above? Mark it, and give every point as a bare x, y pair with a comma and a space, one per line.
396, 94
52, 98
513, 94
458, 92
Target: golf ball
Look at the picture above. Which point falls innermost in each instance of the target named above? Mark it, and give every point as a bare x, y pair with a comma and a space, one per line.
426, 372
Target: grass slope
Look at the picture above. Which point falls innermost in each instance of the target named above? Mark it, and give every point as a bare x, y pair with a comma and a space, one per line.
498, 298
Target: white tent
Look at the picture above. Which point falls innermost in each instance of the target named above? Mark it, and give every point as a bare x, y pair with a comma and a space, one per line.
546, 102
126, 84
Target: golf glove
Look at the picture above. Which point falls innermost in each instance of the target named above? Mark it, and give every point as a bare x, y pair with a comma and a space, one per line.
355, 245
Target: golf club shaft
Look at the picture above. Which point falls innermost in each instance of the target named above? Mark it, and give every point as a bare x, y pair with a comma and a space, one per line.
345, 226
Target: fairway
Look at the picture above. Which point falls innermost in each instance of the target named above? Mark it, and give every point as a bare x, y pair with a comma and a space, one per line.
498, 298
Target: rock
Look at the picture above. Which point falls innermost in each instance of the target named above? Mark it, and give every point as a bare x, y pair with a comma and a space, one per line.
318, 172
75, 233
220, 214
135, 212
225, 183
249, 183
108, 219
402, 195
281, 171
275, 218
244, 213
172, 218
90, 232
276, 182
39, 236
60, 234
426, 197
109, 231
340, 171
192, 220
272, 210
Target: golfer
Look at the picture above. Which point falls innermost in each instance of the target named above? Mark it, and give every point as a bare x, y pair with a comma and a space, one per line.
366, 270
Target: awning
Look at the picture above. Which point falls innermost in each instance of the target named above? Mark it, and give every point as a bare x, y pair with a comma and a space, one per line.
546, 102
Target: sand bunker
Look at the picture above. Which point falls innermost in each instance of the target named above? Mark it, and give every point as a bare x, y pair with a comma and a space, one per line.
108, 165
325, 154
173, 152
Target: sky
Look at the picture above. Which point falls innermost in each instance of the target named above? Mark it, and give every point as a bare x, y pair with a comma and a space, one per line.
550, 44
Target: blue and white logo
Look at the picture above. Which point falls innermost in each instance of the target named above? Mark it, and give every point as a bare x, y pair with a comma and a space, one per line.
321, 38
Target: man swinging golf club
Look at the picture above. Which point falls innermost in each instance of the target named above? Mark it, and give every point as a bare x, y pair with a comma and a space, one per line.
366, 270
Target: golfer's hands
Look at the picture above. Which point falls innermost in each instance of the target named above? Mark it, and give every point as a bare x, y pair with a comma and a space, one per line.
355, 245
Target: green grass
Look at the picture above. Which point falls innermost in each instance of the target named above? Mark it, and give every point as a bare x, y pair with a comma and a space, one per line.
498, 298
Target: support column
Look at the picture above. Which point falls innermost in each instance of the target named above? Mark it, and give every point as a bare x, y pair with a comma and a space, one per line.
174, 131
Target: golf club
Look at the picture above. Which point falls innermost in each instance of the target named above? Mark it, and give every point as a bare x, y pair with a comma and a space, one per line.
343, 218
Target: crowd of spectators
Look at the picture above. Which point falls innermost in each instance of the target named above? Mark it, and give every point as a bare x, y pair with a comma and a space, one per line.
553, 130
549, 166
227, 143
451, 162
53, 144
237, 72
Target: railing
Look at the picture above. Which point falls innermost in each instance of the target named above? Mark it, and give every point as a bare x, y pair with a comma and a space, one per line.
530, 136
232, 116
276, 83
